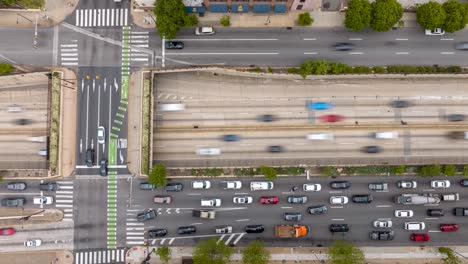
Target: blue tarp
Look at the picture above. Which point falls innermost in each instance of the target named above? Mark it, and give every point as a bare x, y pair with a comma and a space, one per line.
280, 8
244, 8
195, 9
261, 8
219, 8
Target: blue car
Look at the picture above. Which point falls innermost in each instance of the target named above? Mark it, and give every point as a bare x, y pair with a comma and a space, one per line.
319, 106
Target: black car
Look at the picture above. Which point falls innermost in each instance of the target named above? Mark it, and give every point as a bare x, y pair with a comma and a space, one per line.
13, 202
435, 212
147, 186
318, 209
174, 45
230, 138
17, 186
23, 122
456, 117
292, 216
146, 215
460, 211
174, 187
464, 182
254, 229
89, 157
340, 184
382, 235
183, 230
157, 232
266, 118
343, 46
103, 167
275, 149
372, 149
339, 228
400, 104
362, 198
48, 186
297, 199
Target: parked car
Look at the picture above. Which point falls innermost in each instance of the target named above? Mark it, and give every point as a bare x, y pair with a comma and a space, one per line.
174, 187
230, 185
204, 185
378, 186
339, 228
32, 243
89, 157
146, 215
157, 232
435, 32
319, 106
383, 223
385, 135
224, 229
214, 202
340, 184
101, 135
440, 184
456, 117
275, 149
230, 138
48, 186
242, 199
7, 231
14, 108
419, 237
331, 118
404, 213
448, 227
407, 184
372, 149
17, 186
317, 209
435, 212
103, 167
382, 235
362, 198
312, 187
13, 202
464, 182
161, 199
43, 200
185, 230
339, 200
292, 216
174, 45
147, 186
297, 199
204, 31
343, 46
269, 199
254, 229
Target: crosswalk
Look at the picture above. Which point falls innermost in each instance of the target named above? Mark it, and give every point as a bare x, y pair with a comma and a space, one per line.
110, 17
64, 199
69, 53
135, 231
135, 49
227, 239
104, 256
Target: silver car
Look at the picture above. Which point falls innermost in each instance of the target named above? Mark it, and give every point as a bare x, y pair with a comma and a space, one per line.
461, 46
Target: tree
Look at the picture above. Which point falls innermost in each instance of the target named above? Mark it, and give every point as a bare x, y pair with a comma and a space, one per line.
313, 67
255, 253
341, 252
158, 175
225, 21
450, 257
268, 172
450, 170
385, 14
305, 19
429, 170
211, 252
358, 15
465, 170
455, 16
164, 254
400, 169
171, 16
430, 15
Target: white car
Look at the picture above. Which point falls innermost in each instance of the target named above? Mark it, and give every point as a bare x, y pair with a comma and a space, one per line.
208, 151
312, 187
339, 200
435, 32
385, 135
42, 152
383, 223
43, 200
101, 135
38, 139
415, 226
440, 184
215, 202
204, 31
14, 108
320, 136
242, 199
201, 185
407, 184
404, 213
32, 243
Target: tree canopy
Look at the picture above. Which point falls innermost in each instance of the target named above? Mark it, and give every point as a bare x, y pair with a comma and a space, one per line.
385, 14
164, 254
211, 252
341, 252
268, 172
455, 16
255, 253
430, 15
171, 16
358, 15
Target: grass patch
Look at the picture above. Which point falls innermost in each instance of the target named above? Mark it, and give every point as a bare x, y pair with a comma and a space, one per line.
146, 128
245, 171
366, 170
32, 4
54, 123
294, 171
6, 68
213, 172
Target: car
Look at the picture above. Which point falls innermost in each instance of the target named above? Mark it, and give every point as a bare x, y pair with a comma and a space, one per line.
384, 135
382, 235
383, 223
460, 211
157, 232
89, 157
261, 185
338, 228
339, 200
214, 202
456, 117
464, 182
266, 118
242, 199
435, 32
23, 122
161, 199
275, 149
292, 216
13, 202
14, 108
312, 187
146, 215
404, 213
413, 226
7, 231
319, 106
297, 199
17, 186
269, 199
203, 185
407, 184
320, 136
230, 185
42, 152
147, 186
171, 107
457, 135
440, 184
400, 104
362, 198
435, 212
208, 151
204, 31
224, 229
317, 209
372, 149
43, 200
343, 46
40, 139
185, 230
331, 118
174, 187
461, 46
340, 184
378, 186
32, 243
254, 229
448, 227
174, 45
48, 186
103, 167
419, 237
230, 138
101, 135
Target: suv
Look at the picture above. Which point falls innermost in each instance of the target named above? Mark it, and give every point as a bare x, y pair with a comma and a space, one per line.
146, 215
318, 209
382, 235
174, 45
261, 185
292, 216
103, 167
174, 187
339, 228
378, 186
89, 157
48, 186
183, 230
201, 185
17, 186
340, 184
254, 229
362, 198
13, 202
157, 232
147, 186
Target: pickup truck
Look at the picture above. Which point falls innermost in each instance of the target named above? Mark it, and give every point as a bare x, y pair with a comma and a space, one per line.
291, 231
426, 198
206, 214
450, 197
230, 185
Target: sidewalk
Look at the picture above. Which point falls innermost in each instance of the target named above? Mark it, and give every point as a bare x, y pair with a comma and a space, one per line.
135, 87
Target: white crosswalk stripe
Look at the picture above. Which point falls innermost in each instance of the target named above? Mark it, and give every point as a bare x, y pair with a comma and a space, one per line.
104, 256
64, 199
101, 17
69, 54
137, 41
135, 231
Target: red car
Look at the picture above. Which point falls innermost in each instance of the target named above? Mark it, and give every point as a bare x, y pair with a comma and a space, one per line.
269, 199
419, 237
448, 227
7, 231
331, 118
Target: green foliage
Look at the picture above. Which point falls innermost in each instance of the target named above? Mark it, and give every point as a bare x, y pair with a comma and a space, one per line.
6, 68
450, 257
385, 14
305, 19
362, 69
358, 15
430, 15
255, 253
33, 4
268, 172
366, 170
245, 171
339, 68
400, 169
270, 69
330, 171
211, 252
318, 67
190, 20
225, 21
429, 170
422, 69
164, 254
455, 16
378, 69
158, 175
449, 170
465, 170
294, 171
256, 69
341, 252
171, 16
293, 70
146, 128
213, 172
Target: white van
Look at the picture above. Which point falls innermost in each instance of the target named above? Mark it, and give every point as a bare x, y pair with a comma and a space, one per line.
320, 136
171, 107
385, 135
415, 226
261, 185
215, 202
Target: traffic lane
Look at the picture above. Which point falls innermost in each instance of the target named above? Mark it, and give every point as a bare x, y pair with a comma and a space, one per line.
83, 106
25, 53
103, 113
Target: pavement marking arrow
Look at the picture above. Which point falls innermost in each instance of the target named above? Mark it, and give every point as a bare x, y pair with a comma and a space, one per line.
81, 145
92, 143
94, 84
82, 84
121, 157
105, 84
116, 84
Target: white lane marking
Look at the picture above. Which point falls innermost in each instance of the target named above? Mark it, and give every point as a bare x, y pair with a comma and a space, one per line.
135, 238
447, 53
347, 143
286, 207
383, 206
229, 239
338, 219
334, 191
135, 224
336, 207
135, 228
309, 39
70, 63
402, 53
221, 53
242, 220
355, 38
135, 242
240, 193
65, 192
310, 53
382, 191
356, 53
64, 201
432, 218
399, 39
196, 224
66, 187
447, 39
64, 205
431, 204
221, 238
428, 190
201, 39
193, 193
434, 231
